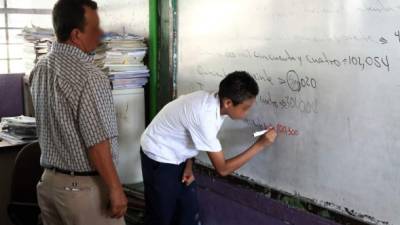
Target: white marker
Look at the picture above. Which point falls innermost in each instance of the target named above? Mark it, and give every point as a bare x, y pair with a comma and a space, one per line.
259, 133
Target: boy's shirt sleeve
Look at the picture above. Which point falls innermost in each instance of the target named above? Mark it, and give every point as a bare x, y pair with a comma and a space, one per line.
203, 131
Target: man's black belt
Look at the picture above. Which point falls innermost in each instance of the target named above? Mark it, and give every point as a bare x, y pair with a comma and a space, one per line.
73, 173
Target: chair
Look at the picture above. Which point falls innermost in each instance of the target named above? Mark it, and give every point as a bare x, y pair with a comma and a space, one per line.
23, 208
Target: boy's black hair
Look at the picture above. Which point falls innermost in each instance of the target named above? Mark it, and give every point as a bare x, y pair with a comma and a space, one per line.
238, 87
68, 15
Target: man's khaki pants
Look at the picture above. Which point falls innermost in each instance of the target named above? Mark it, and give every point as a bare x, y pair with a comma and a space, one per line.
73, 200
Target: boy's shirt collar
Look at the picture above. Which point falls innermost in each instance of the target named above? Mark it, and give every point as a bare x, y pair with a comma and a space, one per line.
218, 104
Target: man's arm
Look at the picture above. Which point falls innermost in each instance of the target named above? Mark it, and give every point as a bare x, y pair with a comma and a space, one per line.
101, 158
226, 167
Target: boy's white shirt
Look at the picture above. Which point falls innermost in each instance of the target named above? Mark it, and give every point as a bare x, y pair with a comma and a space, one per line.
184, 127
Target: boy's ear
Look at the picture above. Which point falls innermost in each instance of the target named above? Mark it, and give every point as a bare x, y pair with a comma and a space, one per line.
227, 103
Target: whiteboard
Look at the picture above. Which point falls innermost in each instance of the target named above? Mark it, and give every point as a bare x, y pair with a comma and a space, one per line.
329, 78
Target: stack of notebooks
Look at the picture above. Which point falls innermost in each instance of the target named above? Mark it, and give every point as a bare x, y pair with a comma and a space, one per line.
18, 130
120, 56
37, 43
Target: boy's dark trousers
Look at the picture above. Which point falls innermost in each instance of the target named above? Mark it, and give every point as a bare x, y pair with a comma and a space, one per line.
168, 200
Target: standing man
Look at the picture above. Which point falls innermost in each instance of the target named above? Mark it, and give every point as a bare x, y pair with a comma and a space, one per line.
76, 125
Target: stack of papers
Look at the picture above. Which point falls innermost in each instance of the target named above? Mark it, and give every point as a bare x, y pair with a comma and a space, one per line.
17, 130
35, 33
120, 56
37, 43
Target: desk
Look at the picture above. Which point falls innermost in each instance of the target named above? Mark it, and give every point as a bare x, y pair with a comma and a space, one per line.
4, 145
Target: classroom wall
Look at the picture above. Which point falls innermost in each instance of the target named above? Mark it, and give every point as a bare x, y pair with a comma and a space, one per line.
131, 16
129, 107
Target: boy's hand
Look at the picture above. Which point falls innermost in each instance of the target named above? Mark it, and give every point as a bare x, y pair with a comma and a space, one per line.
267, 138
188, 176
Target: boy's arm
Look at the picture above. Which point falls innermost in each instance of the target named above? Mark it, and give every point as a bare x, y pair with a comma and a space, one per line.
226, 167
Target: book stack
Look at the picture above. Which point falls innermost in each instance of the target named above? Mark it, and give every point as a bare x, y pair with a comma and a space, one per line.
120, 56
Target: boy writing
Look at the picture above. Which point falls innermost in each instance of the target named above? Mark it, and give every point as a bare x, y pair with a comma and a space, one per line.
181, 129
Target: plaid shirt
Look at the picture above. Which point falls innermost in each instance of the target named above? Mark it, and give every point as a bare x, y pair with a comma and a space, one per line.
74, 108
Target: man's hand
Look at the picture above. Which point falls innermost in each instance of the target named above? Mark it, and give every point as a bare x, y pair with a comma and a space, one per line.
118, 203
188, 176
101, 159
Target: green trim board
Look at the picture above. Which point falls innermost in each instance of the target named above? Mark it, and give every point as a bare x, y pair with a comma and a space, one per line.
166, 68
153, 58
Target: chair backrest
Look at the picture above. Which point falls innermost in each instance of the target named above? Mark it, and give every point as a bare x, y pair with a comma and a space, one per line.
11, 95
27, 172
